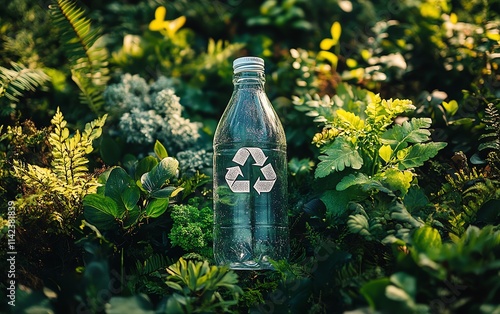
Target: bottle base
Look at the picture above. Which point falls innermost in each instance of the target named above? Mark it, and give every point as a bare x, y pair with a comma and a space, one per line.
251, 265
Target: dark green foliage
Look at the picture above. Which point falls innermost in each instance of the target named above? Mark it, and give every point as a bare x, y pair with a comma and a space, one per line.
123, 203
192, 229
15, 82
382, 215
88, 60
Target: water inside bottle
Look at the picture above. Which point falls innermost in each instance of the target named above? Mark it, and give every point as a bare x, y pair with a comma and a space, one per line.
250, 207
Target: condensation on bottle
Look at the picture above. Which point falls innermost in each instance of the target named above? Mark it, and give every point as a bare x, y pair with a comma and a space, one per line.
250, 175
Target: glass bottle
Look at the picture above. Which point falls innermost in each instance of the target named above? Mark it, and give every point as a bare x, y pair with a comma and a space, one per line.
250, 175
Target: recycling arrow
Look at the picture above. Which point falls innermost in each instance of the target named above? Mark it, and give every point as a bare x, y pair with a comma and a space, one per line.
243, 153
243, 186
265, 185
236, 186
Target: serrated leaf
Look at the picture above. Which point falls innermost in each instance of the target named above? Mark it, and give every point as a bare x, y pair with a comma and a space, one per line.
156, 207
339, 155
414, 131
420, 153
364, 182
163, 171
350, 120
398, 180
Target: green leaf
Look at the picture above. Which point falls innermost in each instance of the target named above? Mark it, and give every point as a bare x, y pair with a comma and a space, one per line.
122, 189
163, 171
144, 165
374, 293
138, 304
405, 281
420, 153
339, 155
166, 192
398, 180
350, 121
132, 216
450, 107
160, 150
414, 131
156, 207
385, 152
101, 211
336, 203
426, 238
110, 150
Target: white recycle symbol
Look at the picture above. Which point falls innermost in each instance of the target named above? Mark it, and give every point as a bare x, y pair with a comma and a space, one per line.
243, 186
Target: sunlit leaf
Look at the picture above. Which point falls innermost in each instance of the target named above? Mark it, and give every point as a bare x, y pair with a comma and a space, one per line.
385, 152
331, 57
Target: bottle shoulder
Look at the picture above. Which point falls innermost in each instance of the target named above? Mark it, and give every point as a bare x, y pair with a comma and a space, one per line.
249, 117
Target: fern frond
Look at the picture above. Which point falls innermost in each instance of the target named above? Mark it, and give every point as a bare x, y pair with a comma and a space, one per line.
492, 121
88, 60
15, 81
69, 163
152, 264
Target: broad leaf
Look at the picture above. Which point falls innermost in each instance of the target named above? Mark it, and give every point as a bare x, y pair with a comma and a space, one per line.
101, 211
166, 192
163, 171
145, 165
336, 203
364, 182
414, 131
426, 238
420, 153
122, 189
156, 207
339, 155
398, 180
385, 152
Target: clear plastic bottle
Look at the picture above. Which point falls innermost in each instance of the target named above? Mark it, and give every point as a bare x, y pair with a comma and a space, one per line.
250, 175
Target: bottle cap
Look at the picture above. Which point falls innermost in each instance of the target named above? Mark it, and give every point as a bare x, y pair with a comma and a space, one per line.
252, 64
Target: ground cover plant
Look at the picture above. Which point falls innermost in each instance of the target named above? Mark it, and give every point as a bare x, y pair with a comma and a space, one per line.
392, 116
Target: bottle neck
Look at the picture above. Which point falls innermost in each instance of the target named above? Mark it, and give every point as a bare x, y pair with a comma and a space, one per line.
249, 79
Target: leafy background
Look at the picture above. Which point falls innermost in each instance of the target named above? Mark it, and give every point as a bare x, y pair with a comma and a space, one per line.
391, 110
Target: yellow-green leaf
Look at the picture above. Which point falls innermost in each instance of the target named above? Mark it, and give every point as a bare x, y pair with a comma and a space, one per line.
351, 63
398, 180
365, 54
385, 152
493, 36
331, 57
159, 22
451, 107
453, 18
327, 43
350, 120
336, 30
